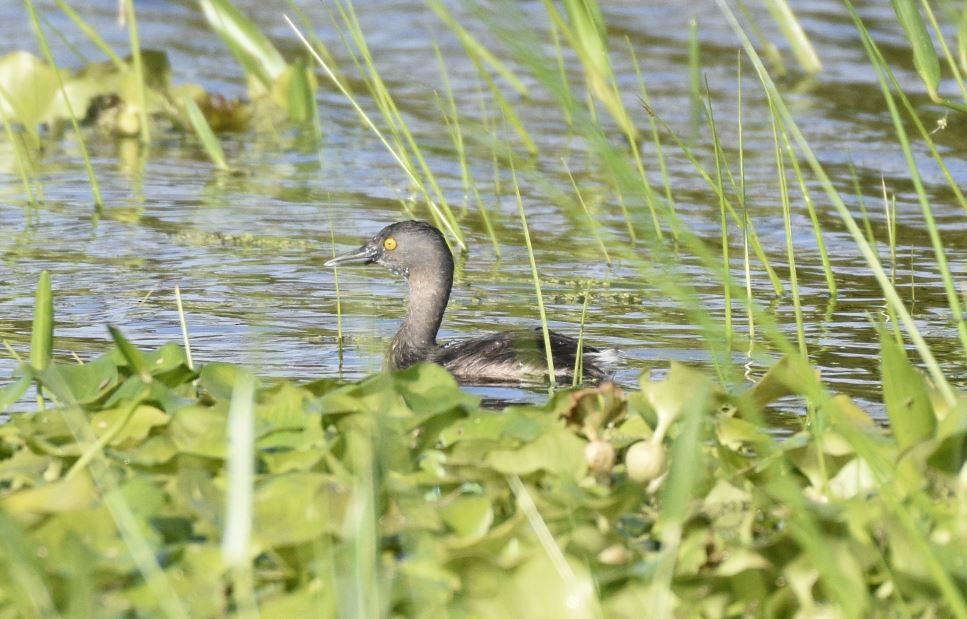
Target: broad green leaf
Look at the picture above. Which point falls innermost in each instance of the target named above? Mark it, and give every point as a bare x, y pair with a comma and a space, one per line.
87, 382
23, 468
64, 495
296, 508
905, 395
27, 85
468, 516
557, 451
135, 430
200, 430
924, 54
218, 379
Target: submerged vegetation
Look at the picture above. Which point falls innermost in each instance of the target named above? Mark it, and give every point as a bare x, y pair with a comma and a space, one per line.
143, 485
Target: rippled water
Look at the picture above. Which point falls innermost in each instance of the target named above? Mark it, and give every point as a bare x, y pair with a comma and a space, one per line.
247, 250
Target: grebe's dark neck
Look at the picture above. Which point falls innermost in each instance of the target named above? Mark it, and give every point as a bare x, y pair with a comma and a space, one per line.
429, 284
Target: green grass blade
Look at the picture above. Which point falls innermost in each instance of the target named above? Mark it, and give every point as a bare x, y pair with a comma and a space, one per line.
839, 205
206, 136
245, 40
477, 50
42, 333
924, 54
91, 34
138, 70
789, 24
49, 57
551, 375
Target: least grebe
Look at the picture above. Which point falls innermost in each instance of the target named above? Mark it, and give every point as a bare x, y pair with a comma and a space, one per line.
418, 252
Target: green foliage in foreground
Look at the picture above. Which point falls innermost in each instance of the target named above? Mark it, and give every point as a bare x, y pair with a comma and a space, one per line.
399, 494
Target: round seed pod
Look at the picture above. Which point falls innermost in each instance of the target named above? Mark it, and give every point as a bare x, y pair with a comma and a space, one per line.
645, 461
600, 456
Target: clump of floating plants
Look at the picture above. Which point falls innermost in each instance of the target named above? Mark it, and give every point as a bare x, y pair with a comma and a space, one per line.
142, 485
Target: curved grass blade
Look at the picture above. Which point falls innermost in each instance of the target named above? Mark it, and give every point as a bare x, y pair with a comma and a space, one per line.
248, 44
924, 55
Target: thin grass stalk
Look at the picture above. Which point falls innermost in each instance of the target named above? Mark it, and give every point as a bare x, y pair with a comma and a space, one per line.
659, 151
581, 596
592, 222
861, 203
723, 219
948, 56
889, 207
42, 331
579, 354
753, 235
335, 279
240, 479
695, 98
91, 34
820, 173
551, 375
559, 56
207, 138
743, 205
49, 57
476, 49
19, 152
138, 70
434, 208
787, 226
813, 217
953, 300
184, 327
391, 111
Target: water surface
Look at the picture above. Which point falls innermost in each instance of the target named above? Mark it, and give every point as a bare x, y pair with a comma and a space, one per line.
247, 249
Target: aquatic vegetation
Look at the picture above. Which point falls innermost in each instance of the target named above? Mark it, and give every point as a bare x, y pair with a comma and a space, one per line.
400, 494
140, 484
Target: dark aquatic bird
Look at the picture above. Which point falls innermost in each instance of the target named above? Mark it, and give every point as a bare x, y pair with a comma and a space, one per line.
417, 251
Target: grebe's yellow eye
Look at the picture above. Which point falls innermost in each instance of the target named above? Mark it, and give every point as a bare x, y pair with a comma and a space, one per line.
390, 243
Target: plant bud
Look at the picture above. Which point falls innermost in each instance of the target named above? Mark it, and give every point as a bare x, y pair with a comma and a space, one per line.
600, 456
645, 461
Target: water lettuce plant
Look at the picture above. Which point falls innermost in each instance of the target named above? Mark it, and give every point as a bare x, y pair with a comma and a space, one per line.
142, 485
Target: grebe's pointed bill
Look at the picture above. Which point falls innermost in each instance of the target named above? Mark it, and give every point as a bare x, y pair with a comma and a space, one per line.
364, 255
